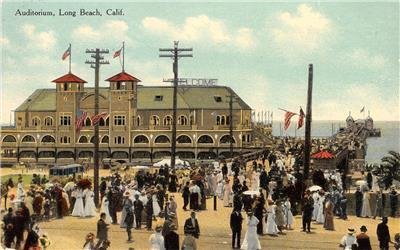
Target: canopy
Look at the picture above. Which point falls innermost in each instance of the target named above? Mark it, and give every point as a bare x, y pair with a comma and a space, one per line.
167, 161
251, 192
323, 155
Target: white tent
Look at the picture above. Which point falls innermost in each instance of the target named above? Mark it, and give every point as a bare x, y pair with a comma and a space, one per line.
167, 161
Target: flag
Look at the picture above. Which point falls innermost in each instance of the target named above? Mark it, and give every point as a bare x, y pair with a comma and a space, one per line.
362, 110
67, 53
80, 121
117, 53
300, 122
288, 116
96, 118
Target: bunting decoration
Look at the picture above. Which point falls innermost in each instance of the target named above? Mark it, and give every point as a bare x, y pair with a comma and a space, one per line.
96, 118
80, 121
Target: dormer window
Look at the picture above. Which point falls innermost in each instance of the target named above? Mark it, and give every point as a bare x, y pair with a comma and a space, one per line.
158, 98
218, 98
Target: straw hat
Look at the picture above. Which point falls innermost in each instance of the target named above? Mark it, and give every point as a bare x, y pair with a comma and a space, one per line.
351, 230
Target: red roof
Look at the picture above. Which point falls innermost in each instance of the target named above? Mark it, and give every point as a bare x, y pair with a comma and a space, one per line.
123, 77
69, 78
323, 155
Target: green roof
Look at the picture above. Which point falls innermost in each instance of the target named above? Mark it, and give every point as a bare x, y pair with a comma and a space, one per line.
189, 97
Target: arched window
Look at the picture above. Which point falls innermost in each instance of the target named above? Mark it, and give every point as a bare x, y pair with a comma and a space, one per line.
226, 139
48, 139
154, 120
167, 120
140, 139
105, 139
138, 121
183, 139
182, 120
205, 139
162, 139
88, 122
36, 121
102, 122
48, 121
83, 139
218, 120
92, 139
107, 121
28, 138
9, 138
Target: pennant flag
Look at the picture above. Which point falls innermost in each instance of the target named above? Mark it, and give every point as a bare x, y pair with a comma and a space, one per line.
300, 122
117, 53
96, 118
288, 116
362, 110
67, 53
80, 121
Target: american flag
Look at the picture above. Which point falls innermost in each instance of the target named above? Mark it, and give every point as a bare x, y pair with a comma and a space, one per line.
288, 116
117, 53
96, 118
300, 122
80, 121
67, 53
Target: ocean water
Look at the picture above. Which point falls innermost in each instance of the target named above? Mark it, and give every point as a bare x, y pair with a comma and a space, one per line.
377, 147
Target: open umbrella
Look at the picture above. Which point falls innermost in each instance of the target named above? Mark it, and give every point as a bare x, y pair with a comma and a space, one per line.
69, 186
314, 188
361, 183
48, 185
251, 192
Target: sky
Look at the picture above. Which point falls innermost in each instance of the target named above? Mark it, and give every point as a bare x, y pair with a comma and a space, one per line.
261, 50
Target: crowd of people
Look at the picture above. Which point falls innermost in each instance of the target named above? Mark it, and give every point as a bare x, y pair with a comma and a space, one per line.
271, 192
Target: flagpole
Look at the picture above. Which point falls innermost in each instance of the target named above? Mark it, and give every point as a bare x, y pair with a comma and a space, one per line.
123, 56
70, 55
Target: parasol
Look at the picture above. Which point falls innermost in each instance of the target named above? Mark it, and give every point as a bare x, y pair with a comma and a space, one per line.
314, 188
361, 183
48, 185
69, 186
251, 192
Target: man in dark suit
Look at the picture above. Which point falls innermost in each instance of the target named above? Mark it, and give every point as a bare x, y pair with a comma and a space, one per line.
308, 207
171, 239
102, 230
382, 231
138, 206
192, 226
359, 199
236, 227
186, 195
363, 239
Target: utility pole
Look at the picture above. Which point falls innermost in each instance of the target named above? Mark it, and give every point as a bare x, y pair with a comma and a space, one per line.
307, 142
98, 60
231, 100
174, 53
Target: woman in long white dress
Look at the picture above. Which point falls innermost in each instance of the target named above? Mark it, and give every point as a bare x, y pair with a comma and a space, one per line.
220, 190
288, 214
321, 216
90, 207
271, 227
104, 209
227, 193
366, 208
156, 240
315, 197
20, 192
156, 206
78, 206
251, 241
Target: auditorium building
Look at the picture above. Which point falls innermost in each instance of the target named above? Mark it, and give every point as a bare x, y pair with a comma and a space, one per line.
135, 126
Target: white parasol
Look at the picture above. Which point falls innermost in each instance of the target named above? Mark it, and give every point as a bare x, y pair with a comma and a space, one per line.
361, 183
69, 186
314, 188
251, 192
